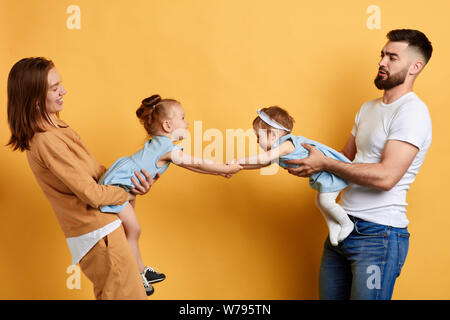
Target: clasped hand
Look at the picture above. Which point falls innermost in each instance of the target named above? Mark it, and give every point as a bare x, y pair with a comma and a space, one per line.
232, 168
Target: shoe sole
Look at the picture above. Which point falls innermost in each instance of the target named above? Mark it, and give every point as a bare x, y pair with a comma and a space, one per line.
157, 280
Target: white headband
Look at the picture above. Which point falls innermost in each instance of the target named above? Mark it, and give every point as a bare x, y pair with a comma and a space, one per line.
264, 117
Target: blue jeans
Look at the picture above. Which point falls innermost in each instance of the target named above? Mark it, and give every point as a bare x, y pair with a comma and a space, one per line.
365, 265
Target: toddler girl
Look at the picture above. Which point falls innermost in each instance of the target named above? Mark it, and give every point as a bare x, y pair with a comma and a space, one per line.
272, 127
164, 121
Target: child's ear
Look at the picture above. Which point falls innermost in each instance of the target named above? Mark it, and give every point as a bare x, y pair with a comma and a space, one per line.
167, 126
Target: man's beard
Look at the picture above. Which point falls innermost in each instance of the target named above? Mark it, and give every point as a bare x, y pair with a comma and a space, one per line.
391, 81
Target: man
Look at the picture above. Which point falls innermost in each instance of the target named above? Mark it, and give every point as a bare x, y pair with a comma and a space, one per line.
387, 145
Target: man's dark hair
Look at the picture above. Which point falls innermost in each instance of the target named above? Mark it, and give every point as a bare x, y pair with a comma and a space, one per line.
415, 39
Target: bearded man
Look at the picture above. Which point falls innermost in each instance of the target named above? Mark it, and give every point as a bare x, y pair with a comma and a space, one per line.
387, 146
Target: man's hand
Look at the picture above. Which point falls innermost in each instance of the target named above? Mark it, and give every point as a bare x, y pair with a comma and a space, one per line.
315, 162
144, 185
396, 158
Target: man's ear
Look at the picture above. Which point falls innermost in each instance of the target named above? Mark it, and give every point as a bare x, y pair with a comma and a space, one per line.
416, 67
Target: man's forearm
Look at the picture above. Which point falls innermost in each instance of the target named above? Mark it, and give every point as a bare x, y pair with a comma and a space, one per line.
364, 174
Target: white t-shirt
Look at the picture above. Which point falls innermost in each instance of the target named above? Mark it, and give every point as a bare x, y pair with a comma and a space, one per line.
406, 119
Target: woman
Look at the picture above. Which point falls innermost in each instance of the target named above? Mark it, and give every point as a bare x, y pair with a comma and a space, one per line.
67, 174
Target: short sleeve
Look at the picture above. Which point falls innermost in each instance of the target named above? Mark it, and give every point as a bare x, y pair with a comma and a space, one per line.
299, 151
176, 147
411, 124
353, 132
161, 145
169, 146
355, 125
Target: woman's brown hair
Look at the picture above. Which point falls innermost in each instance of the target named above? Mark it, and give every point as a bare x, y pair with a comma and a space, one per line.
27, 92
153, 111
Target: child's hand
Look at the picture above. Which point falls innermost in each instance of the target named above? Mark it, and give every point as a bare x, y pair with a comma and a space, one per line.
226, 175
233, 168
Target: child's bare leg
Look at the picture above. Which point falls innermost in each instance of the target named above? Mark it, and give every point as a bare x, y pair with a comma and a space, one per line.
132, 232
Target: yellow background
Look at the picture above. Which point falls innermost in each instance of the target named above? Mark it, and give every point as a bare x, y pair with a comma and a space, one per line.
251, 237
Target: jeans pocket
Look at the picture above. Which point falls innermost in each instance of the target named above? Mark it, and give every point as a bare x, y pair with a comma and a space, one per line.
403, 246
370, 229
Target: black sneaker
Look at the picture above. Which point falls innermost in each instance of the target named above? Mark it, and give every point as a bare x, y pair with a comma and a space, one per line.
153, 276
148, 287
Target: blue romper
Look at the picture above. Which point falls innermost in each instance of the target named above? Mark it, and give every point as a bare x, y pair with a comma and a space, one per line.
322, 181
120, 173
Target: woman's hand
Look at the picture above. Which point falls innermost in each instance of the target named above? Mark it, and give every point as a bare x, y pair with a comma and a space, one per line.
144, 185
131, 199
316, 161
